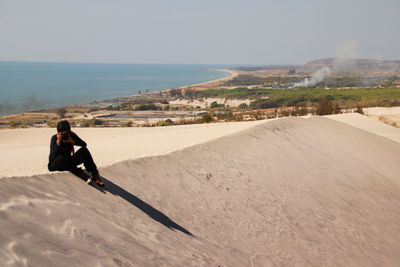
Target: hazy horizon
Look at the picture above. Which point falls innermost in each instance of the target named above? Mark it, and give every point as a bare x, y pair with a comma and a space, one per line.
208, 32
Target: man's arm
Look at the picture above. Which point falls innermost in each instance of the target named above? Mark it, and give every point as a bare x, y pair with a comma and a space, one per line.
54, 146
77, 140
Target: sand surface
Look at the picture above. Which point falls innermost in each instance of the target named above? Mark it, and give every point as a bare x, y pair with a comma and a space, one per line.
288, 192
25, 151
390, 115
369, 124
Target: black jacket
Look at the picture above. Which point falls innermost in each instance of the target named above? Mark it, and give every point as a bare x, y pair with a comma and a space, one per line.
64, 148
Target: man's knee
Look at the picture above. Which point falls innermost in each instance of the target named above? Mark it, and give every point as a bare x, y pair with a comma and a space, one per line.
83, 150
60, 163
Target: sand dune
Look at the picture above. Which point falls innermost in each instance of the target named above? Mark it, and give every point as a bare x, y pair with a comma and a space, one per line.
290, 192
368, 124
27, 150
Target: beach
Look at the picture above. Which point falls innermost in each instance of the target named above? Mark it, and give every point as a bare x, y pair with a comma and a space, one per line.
208, 84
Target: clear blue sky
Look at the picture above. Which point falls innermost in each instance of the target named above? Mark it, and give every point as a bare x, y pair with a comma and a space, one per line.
204, 32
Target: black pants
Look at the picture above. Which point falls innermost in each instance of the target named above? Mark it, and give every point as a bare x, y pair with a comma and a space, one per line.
65, 163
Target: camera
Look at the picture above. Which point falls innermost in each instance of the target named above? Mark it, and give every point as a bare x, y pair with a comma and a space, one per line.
65, 136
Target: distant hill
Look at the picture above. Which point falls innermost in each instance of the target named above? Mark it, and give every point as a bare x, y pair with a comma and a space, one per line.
355, 64
336, 64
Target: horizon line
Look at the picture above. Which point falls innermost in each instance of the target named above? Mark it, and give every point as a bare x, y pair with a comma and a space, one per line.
222, 64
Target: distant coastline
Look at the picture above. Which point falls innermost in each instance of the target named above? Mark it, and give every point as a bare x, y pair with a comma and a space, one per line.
232, 73
30, 86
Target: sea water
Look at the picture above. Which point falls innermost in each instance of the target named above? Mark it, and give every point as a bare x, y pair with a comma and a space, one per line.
26, 86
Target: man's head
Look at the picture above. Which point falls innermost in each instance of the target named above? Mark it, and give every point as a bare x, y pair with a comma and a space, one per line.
63, 126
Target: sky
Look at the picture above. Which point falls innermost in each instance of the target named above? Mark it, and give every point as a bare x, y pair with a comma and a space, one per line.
198, 32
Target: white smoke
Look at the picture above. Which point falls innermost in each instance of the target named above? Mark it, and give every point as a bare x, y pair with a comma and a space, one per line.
346, 53
344, 60
317, 77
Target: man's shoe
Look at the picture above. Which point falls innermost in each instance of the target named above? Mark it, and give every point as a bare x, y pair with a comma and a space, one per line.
89, 181
99, 182
96, 177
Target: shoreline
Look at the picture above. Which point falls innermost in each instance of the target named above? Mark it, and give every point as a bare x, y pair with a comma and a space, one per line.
232, 73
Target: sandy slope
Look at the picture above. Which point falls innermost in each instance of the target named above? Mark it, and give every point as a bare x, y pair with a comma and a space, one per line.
25, 152
290, 192
368, 124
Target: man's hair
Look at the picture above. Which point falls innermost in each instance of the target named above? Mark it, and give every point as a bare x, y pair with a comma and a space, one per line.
63, 126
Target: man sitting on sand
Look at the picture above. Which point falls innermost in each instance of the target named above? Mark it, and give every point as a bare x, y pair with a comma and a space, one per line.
63, 158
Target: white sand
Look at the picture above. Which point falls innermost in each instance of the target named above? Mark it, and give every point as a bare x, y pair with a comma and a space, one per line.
288, 192
25, 152
390, 115
382, 111
368, 124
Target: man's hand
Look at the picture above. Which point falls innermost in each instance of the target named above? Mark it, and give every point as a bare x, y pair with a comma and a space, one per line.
59, 138
70, 140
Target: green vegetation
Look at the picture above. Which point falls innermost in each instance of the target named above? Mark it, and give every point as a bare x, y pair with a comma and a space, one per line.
336, 81
216, 105
207, 118
12, 124
51, 123
146, 106
243, 79
243, 106
61, 112
326, 107
90, 123
274, 98
167, 122
359, 109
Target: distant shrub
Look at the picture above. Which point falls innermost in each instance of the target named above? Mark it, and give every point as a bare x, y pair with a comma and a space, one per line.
61, 112
146, 106
175, 93
129, 124
359, 109
12, 124
324, 106
167, 122
216, 105
207, 118
336, 109
96, 122
243, 106
51, 123
85, 123
93, 110
226, 115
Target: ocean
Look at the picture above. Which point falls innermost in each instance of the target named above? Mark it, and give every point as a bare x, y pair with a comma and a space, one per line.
27, 86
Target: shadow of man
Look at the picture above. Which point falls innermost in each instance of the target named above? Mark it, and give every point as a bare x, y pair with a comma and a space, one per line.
140, 204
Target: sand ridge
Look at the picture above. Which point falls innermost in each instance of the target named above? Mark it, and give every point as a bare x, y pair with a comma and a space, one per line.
25, 151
